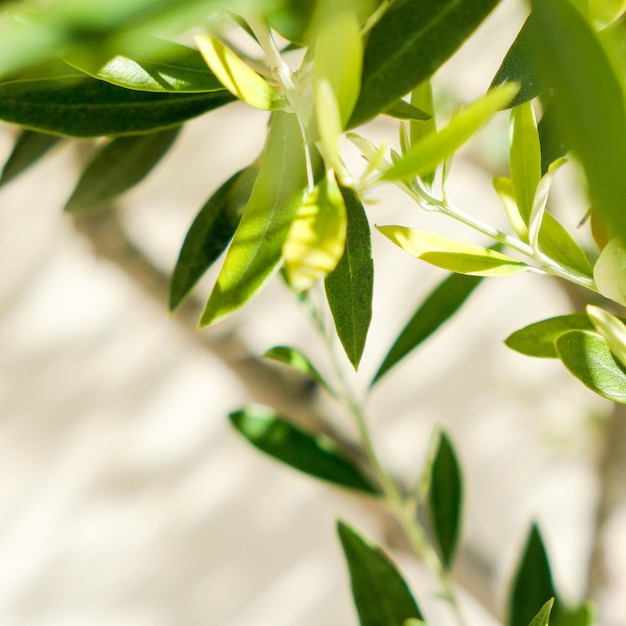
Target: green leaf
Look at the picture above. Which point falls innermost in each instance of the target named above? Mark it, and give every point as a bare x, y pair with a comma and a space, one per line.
118, 166
422, 97
518, 65
525, 158
434, 148
408, 44
92, 108
349, 288
588, 357
299, 362
612, 330
164, 66
605, 12
255, 253
439, 306
209, 234
381, 595
553, 146
506, 192
589, 104
237, 76
402, 110
450, 254
311, 453
608, 271
543, 617
29, 147
532, 584
539, 339
445, 499
316, 238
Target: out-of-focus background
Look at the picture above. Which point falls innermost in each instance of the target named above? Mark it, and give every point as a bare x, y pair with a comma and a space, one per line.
127, 500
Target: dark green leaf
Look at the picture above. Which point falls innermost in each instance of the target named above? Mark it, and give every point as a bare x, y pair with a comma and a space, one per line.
409, 43
518, 65
311, 453
118, 166
163, 66
210, 232
380, 593
92, 108
532, 584
588, 357
589, 104
349, 288
553, 147
445, 499
29, 147
404, 111
440, 305
539, 339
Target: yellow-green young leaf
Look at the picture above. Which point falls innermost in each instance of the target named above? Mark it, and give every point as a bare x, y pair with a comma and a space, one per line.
317, 236
543, 616
525, 157
237, 76
328, 118
255, 252
450, 254
609, 272
605, 12
611, 328
422, 98
434, 148
505, 190
339, 58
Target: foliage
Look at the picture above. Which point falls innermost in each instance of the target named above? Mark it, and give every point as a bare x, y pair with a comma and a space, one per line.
117, 70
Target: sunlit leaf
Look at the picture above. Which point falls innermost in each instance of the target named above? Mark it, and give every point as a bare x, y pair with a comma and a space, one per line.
93, 108
311, 453
425, 155
380, 593
588, 357
237, 76
329, 125
118, 166
299, 362
422, 98
316, 238
349, 288
612, 330
605, 12
450, 254
430, 31
543, 616
539, 339
209, 234
445, 499
255, 253
505, 190
609, 271
438, 307
28, 149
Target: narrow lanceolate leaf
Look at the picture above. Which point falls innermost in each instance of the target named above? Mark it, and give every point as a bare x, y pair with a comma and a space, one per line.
588, 357
612, 330
532, 584
299, 362
450, 254
380, 593
236, 75
440, 305
92, 108
164, 66
256, 250
422, 98
311, 453
543, 616
316, 238
118, 166
434, 148
445, 499
589, 104
210, 233
609, 271
402, 110
539, 339
349, 288
518, 65
28, 149
409, 43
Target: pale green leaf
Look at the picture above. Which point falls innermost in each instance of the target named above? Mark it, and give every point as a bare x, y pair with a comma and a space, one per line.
605, 12
317, 236
329, 126
349, 288
422, 98
380, 593
450, 254
609, 271
117, 166
543, 616
237, 76
558, 244
611, 328
434, 148
312, 453
255, 253
588, 357
505, 190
